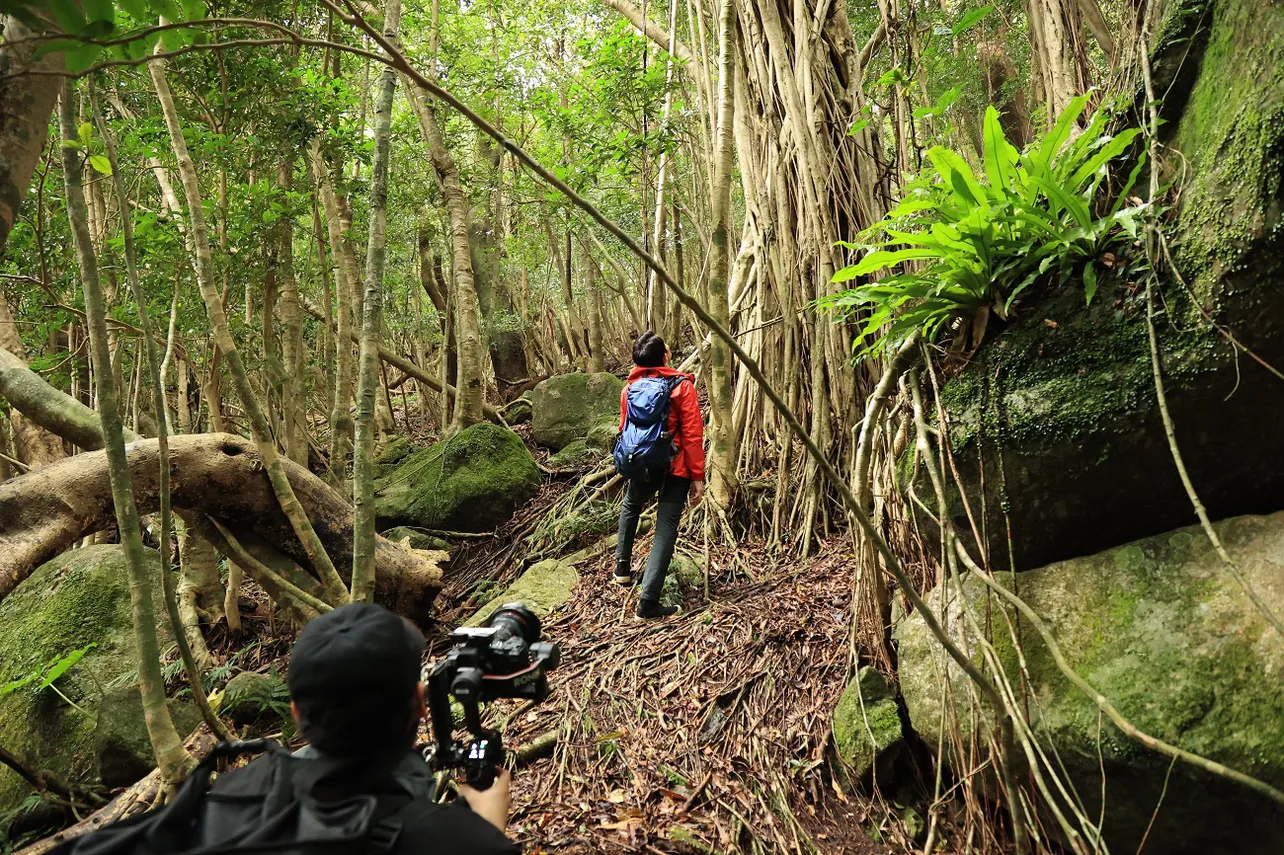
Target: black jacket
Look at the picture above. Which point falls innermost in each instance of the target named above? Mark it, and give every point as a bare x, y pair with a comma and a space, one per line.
426, 827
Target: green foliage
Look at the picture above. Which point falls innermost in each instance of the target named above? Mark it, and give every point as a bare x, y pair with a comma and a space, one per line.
94, 30
45, 675
975, 246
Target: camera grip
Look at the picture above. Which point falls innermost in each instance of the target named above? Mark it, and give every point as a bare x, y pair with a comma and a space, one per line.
485, 756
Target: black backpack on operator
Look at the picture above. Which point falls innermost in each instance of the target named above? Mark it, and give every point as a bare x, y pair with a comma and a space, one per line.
270, 809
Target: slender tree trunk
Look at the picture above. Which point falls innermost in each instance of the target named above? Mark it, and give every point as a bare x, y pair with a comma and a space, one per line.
223, 337
345, 279
150, 353
470, 380
295, 434
363, 470
723, 451
595, 362
33, 445
174, 761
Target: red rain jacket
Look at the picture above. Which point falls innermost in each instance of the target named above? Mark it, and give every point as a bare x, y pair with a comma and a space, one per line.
685, 421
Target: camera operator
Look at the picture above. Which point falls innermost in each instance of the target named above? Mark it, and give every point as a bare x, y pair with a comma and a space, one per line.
356, 693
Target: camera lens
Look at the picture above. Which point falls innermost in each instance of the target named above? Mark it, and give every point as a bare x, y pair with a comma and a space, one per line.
515, 620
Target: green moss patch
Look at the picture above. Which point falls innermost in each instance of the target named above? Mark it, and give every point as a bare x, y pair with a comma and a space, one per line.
474, 481
79, 598
543, 587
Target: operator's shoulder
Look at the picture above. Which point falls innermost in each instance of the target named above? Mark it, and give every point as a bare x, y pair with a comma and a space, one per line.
452, 830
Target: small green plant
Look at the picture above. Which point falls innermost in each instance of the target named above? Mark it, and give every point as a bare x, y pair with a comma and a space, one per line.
968, 248
44, 677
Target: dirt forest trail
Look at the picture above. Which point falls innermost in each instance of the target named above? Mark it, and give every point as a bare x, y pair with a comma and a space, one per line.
707, 731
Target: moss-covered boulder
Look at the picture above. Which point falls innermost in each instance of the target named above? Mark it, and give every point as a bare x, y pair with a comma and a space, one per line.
79, 598
393, 453
416, 539
543, 587
602, 433
122, 749
1162, 629
867, 723
688, 571
575, 454
567, 406
1058, 424
473, 481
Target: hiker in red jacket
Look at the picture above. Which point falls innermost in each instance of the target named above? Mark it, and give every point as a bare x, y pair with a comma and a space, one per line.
684, 476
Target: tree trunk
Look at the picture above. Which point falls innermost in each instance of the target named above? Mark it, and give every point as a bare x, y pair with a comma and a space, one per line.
172, 758
295, 430
470, 380
26, 103
149, 351
363, 464
595, 361
223, 337
345, 279
722, 437
34, 445
1054, 35
219, 475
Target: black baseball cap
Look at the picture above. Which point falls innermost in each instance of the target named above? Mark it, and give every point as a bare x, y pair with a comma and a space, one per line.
353, 675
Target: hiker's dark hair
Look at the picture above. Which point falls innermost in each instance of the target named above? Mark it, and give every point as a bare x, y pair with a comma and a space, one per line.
648, 350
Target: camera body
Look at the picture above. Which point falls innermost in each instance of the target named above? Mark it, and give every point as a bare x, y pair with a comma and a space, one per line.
502, 659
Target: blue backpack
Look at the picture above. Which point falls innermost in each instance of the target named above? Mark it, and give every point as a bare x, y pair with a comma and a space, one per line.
644, 449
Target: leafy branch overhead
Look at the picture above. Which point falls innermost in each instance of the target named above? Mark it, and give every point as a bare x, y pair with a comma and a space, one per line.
968, 246
128, 24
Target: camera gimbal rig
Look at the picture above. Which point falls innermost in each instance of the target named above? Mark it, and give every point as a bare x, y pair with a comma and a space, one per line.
503, 659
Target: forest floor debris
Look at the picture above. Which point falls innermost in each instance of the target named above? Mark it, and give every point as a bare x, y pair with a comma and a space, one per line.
708, 732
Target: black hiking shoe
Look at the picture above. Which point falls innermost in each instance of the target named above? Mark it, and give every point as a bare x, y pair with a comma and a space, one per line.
623, 576
652, 611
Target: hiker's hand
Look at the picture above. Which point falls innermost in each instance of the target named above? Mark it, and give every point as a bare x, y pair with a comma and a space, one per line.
492, 804
697, 492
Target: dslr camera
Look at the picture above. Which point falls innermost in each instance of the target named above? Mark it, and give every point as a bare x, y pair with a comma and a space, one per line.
504, 658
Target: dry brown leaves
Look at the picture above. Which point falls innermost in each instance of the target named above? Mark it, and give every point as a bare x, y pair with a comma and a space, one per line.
706, 732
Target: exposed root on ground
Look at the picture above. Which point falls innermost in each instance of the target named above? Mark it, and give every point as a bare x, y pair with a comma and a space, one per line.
706, 732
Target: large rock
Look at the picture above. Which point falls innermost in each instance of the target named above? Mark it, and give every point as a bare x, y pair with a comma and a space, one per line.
543, 587
1060, 426
473, 481
122, 749
867, 723
568, 406
77, 599
1162, 629
416, 539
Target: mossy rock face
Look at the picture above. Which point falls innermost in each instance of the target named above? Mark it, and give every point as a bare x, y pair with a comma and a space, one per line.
474, 481
250, 698
79, 598
417, 539
1061, 425
122, 749
1162, 629
567, 406
543, 587
574, 454
601, 436
393, 454
867, 722
688, 571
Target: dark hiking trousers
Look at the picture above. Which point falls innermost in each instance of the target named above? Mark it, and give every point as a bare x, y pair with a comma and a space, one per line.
672, 499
